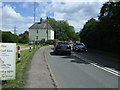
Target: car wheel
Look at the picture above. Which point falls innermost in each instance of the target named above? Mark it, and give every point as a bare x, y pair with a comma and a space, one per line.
55, 52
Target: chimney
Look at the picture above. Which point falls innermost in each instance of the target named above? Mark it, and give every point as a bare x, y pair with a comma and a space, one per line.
41, 20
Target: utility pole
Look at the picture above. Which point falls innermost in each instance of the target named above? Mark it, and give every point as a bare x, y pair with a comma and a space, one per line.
34, 9
56, 31
47, 28
34, 21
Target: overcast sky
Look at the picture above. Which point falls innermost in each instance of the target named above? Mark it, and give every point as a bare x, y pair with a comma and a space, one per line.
21, 14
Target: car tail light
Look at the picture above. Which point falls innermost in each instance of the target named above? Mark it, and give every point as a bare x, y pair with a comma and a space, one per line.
68, 43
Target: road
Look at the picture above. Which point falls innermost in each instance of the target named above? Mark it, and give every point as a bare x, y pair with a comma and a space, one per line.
76, 72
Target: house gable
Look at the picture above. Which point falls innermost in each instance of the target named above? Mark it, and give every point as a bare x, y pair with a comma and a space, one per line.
38, 31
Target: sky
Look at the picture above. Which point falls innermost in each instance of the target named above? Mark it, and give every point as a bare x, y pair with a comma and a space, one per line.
20, 14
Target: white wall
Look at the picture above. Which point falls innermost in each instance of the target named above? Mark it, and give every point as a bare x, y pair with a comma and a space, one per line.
41, 34
52, 34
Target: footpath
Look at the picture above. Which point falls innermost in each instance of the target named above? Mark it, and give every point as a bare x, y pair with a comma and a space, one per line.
38, 74
24, 48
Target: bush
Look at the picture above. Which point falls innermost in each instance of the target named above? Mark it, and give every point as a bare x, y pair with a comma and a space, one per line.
24, 39
9, 37
49, 42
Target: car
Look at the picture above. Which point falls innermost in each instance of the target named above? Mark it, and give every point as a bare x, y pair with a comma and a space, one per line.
62, 47
71, 44
55, 43
78, 46
30, 43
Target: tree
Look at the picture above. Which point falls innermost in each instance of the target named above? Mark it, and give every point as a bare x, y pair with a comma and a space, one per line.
24, 39
9, 37
88, 32
110, 19
104, 34
63, 31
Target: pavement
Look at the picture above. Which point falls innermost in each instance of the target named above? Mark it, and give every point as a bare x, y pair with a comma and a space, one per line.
38, 75
24, 48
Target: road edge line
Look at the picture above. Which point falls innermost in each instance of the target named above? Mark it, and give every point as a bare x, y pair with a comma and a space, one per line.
98, 66
51, 73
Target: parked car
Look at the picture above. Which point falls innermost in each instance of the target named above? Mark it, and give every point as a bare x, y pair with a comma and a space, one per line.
79, 47
62, 47
71, 44
55, 43
30, 43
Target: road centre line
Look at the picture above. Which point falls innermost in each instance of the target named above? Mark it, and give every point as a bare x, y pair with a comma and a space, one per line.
98, 66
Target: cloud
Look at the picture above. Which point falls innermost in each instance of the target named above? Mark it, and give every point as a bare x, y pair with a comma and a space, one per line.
10, 15
79, 0
43, 15
59, 16
0, 16
10, 18
75, 13
0, 4
25, 5
78, 15
57, 0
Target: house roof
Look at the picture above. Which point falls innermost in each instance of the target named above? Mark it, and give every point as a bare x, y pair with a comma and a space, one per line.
42, 25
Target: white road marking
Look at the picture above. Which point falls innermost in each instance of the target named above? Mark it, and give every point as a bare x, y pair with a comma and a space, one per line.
98, 66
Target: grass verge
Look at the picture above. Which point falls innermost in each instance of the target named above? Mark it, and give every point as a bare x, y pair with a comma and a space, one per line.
109, 54
20, 44
21, 67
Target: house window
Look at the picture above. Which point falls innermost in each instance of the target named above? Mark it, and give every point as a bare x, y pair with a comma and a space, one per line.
37, 31
36, 37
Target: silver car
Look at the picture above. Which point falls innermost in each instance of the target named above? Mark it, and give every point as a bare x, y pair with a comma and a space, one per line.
79, 47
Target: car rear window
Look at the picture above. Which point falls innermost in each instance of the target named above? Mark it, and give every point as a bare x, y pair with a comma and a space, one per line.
59, 43
79, 44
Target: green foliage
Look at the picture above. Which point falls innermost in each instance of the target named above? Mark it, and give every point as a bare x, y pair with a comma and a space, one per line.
9, 37
88, 32
49, 41
24, 39
13, 38
63, 31
104, 34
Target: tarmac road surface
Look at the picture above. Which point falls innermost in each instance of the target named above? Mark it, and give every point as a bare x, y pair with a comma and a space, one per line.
75, 72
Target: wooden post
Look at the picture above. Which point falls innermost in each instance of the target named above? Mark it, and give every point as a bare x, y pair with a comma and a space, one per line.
30, 49
18, 53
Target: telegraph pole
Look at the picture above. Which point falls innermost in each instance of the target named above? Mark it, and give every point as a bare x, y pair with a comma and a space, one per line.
47, 28
34, 9
34, 20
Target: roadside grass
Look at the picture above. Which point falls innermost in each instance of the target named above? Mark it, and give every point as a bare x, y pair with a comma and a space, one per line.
20, 44
27, 45
21, 67
109, 54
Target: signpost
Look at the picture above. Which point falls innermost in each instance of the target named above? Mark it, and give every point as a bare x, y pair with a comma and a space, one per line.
7, 61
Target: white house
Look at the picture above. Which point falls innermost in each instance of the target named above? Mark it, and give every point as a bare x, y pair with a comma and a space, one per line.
38, 31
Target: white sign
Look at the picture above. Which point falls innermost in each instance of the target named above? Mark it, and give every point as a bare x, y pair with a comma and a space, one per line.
7, 60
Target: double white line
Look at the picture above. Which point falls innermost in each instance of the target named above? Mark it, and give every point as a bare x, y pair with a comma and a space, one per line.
98, 66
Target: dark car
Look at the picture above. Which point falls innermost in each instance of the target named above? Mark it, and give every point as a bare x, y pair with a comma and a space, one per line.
62, 47
55, 43
79, 47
